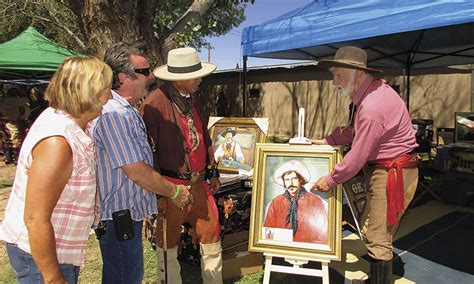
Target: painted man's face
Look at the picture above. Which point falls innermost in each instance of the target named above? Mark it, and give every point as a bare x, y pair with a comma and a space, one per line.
292, 183
228, 137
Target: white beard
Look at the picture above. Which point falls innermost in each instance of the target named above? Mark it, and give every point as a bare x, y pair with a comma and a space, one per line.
350, 88
343, 92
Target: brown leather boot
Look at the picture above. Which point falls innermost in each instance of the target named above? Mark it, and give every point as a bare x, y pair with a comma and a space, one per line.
381, 272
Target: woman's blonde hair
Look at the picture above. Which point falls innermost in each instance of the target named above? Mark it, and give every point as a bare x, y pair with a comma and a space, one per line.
76, 86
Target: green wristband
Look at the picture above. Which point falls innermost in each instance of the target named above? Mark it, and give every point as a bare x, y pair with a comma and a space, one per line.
176, 193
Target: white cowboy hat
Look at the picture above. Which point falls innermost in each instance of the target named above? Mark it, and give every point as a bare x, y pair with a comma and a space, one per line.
291, 166
184, 64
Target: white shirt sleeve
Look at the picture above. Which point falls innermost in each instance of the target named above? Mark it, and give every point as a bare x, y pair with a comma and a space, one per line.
239, 156
218, 153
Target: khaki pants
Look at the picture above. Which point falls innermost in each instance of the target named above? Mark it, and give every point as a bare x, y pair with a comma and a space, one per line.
374, 218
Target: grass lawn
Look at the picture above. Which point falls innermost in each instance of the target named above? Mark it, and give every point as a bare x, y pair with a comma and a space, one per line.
7, 182
91, 272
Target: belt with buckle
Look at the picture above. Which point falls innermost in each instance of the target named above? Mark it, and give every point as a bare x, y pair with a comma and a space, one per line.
193, 177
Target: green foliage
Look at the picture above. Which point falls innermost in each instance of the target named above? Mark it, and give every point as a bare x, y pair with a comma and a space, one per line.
46, 16
222, 17
53, 18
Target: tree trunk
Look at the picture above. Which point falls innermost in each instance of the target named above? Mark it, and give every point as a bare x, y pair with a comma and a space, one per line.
106, 22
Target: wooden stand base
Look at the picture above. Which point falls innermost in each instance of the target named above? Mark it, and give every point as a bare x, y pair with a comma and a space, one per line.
295, 269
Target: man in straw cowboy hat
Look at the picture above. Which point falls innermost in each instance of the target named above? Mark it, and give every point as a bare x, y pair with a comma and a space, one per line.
177, 124
296, 209
229, 150
126, 180
382, 139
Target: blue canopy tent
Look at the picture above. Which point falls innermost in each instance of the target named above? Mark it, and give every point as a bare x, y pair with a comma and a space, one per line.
401, 35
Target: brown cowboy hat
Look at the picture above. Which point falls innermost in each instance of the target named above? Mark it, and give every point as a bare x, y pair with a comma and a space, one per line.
228, 130
349, 57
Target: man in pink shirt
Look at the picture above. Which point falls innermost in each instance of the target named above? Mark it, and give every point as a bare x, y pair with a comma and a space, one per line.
382, 139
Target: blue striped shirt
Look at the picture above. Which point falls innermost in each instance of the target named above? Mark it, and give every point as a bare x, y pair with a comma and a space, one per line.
120, 139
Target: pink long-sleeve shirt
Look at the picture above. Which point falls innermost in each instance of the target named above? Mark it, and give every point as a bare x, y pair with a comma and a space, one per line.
382, 130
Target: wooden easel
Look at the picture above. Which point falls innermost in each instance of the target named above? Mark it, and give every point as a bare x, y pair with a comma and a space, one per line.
296, 268
295, 261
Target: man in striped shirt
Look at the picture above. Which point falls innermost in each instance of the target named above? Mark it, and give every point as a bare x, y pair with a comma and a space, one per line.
126, 181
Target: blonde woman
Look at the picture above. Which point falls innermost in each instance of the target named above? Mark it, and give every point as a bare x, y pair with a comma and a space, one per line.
51, 207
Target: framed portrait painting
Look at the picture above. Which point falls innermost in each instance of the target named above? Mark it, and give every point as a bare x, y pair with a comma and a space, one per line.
234, 140
288, 217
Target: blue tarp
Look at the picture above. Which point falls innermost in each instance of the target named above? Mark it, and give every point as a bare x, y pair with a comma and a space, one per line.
396, 34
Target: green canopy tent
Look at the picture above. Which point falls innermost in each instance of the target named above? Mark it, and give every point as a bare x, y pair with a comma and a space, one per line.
30, 56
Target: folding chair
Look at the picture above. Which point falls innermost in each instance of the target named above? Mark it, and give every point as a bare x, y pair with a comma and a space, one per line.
427, 176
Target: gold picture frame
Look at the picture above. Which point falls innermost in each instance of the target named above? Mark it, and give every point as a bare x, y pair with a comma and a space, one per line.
312, 161
243, 134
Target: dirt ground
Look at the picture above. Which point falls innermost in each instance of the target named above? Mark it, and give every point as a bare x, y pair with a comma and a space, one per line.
7, 173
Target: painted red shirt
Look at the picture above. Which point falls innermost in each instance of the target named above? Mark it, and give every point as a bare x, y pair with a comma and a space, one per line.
312, 218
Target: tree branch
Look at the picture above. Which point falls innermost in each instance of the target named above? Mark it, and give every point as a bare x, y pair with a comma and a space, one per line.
194, 12
58, 23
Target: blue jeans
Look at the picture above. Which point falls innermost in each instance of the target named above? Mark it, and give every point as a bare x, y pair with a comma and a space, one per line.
27, 271
122, 260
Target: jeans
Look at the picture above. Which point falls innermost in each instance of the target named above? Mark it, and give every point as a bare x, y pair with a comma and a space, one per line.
27, 271
122, 260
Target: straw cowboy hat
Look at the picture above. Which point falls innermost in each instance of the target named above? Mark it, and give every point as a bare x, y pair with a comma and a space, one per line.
228, 130
291, 166
348, 57
183, 64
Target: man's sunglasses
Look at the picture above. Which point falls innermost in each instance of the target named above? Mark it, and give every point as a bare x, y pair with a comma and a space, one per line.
143, 71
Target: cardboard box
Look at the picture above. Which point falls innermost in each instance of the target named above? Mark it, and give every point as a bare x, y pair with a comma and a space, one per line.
236, 259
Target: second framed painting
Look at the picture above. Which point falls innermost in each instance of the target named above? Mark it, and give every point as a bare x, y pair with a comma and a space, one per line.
234, 140
288, 217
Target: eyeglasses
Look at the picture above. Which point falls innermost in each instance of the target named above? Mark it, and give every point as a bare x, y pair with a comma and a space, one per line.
143, 71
